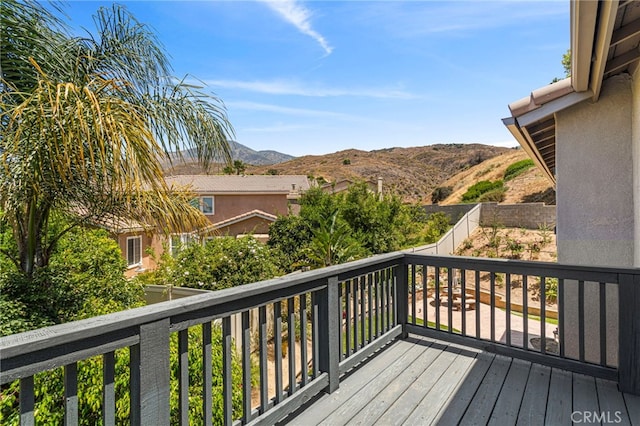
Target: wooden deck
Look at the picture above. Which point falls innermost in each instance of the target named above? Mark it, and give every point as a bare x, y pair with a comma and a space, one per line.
422, 381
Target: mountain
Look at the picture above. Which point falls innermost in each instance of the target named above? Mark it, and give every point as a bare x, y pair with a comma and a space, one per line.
189, 165
257, 158
412, 173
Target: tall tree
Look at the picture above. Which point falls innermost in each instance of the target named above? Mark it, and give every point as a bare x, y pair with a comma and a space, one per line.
87, 123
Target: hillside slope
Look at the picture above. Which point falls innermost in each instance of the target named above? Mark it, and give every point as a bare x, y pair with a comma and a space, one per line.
530, 186
412, 173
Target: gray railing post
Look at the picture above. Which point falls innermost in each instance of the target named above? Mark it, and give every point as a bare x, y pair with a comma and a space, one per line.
629, 338
401, 300
150, 375
328, 331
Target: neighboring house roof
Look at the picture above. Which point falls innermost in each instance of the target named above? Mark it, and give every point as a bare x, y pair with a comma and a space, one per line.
240, 218
247, 184
605, 41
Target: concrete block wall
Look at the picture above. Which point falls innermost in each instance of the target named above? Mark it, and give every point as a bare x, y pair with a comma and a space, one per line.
455, 211
527, 215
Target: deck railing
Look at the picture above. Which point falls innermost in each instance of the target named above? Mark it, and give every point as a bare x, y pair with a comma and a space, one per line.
301, 332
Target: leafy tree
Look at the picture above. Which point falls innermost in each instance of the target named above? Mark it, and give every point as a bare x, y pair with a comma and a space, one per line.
380, 224
289, 238
86, 123
220, 263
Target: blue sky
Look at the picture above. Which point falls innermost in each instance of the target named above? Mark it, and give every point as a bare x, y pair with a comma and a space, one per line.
316, 77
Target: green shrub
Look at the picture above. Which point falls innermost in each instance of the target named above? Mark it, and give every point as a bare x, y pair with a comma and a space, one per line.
220, 263
517, 168
440, 194
475, 191
495, 195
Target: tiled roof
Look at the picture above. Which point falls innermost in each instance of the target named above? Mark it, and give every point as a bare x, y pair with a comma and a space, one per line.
225, 184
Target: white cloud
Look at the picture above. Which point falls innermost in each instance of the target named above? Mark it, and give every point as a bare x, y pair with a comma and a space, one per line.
281, 87
301, 112
299, 16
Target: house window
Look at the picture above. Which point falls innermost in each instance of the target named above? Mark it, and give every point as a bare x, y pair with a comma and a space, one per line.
134, 251
177, 241
205, 204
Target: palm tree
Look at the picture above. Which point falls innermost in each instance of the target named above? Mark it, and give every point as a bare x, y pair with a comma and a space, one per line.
87, 123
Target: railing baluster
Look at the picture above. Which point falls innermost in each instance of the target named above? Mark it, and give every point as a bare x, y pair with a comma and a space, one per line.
369, 281
183, 377
347, 305
425, 296
277, 345
463, 289
437, 277
376, 303
581, 320
291, 350
508, 310
303, 339
393, 301
603, 324
450, 300
71, 394
315, 333
207, 372
108, 389
525, 312
246, 367
413, 294
343, 314
543, 316
493, 305
383, 301
356, 317
561, 316
264, 368
477, 291
227, 378
363, 311
27, 402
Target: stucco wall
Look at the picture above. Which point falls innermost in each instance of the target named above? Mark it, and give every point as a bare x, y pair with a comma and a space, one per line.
228, 206
152, 241
595, 180
595, 204
635, 137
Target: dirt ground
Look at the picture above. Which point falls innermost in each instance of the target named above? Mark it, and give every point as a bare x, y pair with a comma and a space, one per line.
512, 243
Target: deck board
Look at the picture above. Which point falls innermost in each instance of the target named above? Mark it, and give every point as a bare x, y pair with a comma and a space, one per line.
419, 381
560, 398
534, 402
405, 405
403, 383
510, 398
